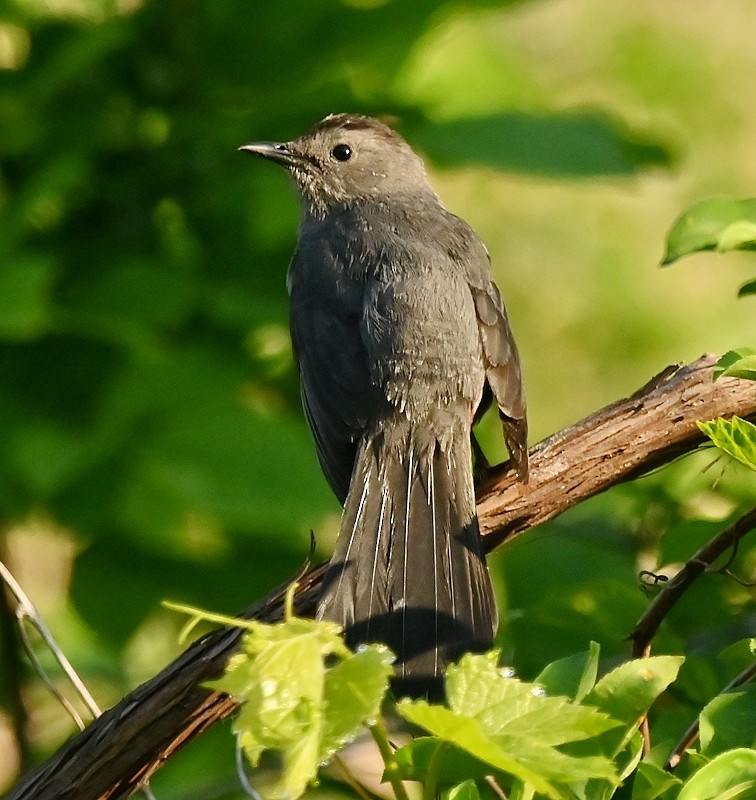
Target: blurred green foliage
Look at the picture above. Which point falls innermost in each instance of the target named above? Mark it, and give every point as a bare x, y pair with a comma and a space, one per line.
151, 439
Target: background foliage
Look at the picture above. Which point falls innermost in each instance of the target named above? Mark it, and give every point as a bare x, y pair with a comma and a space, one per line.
151, 440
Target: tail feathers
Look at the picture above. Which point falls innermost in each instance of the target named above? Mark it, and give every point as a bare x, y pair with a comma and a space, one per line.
408, 569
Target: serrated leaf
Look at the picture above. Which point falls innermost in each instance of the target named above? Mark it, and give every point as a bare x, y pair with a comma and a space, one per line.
739, 363
728, 721
511, 726
652, 782
627, 692
468, 734
291, 702
715, 224
506, 706
354, 691
736, 436
573, 676
731, 774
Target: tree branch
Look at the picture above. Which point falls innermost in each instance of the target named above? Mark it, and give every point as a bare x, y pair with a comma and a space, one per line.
646, 627
626, 439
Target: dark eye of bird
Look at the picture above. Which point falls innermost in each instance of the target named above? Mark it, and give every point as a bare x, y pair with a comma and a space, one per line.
342, 152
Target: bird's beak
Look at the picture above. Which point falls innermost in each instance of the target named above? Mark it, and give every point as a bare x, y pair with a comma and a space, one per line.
275, 151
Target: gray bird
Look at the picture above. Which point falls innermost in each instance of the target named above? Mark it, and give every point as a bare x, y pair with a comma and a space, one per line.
401, 338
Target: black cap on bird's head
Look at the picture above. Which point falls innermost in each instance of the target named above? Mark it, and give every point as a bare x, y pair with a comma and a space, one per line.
347, 157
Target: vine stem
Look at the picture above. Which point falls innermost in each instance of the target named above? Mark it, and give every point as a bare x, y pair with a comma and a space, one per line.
378, 730
27, 610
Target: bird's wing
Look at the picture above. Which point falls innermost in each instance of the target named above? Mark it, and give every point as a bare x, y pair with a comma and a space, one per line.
503, 372
334, 383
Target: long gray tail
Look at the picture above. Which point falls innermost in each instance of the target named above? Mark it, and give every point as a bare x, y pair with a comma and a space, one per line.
408, 568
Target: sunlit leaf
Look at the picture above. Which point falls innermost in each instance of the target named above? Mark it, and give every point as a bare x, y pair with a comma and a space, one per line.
729, 776
720, 224
739, 363
727, 722
627, 692
573, 676
295, 703
736, 436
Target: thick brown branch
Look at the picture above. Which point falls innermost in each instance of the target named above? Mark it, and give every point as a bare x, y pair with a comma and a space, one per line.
622, 441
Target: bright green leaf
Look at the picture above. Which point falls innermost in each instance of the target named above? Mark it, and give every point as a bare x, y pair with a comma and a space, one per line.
467, 790
468, 734
573, 676
627, 692
736, 436
731, 774
729, 721
353, 692
654, 783
715, 224
511, 725
293, 703
739, 363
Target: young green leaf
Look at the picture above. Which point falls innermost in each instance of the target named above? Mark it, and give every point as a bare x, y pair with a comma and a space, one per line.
573, 676
508, 725
716, 224
468, 734
294, 703
736, 436
731, 775
729, 721
739, 363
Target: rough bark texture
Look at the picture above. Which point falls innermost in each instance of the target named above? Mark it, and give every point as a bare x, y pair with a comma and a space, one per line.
627, 439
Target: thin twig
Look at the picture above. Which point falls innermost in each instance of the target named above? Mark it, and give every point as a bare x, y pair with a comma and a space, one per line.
12, 674
26, 610
646, 627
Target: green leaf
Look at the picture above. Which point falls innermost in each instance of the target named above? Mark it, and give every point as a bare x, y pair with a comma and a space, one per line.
469, 735
736, 436
574, 144
353, 692
730, 775
747, 288
452, 764
627, 692
293, 703
720, 224
653, 783
573, 676
739, 363
511, 726
467, 790
727, 722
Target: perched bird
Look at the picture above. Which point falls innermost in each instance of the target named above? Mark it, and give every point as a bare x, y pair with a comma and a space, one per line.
401, 337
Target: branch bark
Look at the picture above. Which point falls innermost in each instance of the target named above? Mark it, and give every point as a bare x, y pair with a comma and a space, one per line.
620, 442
